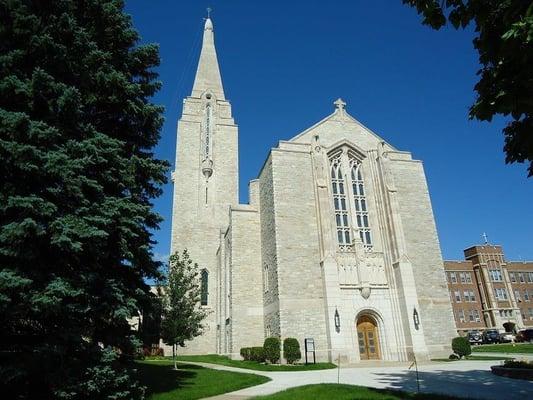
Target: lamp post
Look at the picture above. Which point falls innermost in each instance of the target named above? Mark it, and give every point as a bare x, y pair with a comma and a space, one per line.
416, 319
337, 320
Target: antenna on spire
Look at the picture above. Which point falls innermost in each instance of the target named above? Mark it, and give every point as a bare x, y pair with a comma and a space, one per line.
485, 238
209, 9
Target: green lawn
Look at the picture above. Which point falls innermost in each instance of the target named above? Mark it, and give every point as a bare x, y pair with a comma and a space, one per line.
190, 381
328, 391
505, 348
222, 360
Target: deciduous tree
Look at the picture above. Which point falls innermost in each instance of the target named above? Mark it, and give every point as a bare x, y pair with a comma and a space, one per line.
183, 315
504, 41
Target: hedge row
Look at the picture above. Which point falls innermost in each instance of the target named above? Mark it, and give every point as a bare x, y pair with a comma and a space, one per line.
253, 354
271, 351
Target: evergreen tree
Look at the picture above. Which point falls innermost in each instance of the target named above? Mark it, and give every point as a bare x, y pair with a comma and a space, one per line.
182, 314
504, 41
77, 177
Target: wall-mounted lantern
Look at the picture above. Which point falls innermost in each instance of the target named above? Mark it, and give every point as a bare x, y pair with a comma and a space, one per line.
337, 319
416, 319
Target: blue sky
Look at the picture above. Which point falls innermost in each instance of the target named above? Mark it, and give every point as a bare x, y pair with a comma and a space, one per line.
283, 64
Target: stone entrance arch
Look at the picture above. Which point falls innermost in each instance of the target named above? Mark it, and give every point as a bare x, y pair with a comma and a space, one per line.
368, 337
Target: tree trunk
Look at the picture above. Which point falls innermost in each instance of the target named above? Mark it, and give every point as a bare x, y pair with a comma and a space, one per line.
174, 356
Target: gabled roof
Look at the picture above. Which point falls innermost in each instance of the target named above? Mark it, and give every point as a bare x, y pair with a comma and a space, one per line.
341, 114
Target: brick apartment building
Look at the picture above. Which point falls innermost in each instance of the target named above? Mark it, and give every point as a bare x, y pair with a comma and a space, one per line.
486, 291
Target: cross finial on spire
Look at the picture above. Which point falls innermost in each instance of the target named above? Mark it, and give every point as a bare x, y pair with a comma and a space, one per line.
485, 238
209, 9
339, 104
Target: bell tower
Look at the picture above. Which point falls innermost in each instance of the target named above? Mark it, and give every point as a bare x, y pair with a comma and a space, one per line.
206, 175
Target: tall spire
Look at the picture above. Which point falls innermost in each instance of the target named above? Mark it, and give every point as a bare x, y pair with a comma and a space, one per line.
208, 73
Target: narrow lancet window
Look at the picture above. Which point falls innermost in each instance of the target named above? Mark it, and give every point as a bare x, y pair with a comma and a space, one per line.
359, 197
207, 147
338, 188
204, 281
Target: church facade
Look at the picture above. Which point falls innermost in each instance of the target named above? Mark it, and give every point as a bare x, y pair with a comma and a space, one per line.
338, 242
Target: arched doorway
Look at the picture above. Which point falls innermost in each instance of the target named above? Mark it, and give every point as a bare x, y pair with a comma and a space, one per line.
367, 338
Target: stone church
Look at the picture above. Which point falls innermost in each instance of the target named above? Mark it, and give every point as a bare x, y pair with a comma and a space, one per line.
338, 242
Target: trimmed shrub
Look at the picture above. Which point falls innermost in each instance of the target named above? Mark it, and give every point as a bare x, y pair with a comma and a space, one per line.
461, 346
291, 350
272, 347
246, 353
453, 357
257, 354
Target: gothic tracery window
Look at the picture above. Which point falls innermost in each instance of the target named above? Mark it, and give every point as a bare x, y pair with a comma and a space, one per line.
349, 200
361, 211
340, 204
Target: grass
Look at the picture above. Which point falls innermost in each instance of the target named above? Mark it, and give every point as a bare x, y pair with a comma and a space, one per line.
328, 391
190, 382
223, 360
474, 358
504, 348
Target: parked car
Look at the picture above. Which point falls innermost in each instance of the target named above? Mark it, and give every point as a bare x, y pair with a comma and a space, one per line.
525, 335
507, 337
475, 337
491, 336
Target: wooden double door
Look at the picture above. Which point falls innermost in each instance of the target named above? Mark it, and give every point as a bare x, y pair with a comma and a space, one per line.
367, 337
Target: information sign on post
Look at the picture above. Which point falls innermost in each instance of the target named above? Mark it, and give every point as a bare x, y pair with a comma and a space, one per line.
310, 348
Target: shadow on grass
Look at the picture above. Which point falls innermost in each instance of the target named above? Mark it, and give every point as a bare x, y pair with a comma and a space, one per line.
162, 378
470, 384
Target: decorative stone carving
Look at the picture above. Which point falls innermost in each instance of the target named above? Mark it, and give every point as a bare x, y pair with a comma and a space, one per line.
365, 292
207, 168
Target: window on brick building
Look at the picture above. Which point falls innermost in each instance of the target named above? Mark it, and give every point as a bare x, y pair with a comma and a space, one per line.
461, 315
512, 277
530, 311
495, 275
453, 277
462, 275
517, 295
472, 296
476, 316
526, 295
468, 277
521, 277
530, 277
457, 295
500, 293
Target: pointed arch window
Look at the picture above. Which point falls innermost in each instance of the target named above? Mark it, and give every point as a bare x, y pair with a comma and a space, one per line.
204, 288
338, 188
359, 199
349, 200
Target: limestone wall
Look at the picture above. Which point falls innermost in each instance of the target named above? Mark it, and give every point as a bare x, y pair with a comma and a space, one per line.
423, 249
301, 292
247, 327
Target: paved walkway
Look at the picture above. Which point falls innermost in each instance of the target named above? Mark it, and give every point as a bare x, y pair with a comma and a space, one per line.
518, 356
471, 379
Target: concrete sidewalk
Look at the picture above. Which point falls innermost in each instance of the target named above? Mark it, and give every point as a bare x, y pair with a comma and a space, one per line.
519, 356
471, 379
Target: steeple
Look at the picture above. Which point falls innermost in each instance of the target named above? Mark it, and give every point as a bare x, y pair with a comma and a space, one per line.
208, 74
